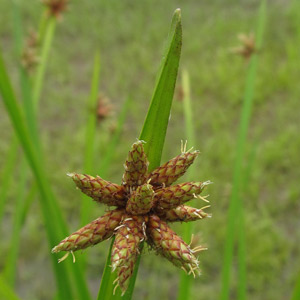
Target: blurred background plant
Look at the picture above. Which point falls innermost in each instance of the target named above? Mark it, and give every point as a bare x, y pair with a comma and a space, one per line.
48, 55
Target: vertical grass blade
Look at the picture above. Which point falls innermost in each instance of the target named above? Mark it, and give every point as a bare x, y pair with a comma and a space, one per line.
240, 153
185, 282
86, 206
5, 290
153, 133
11, 259
296, 292
6, 176
113, 143
21, 130
54, 222
40, 73
187, 108
242, 268
26, 132
28, 201
156, 123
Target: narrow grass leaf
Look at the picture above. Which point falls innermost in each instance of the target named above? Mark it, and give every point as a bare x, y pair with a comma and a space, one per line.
242, 267
86, 206
90, 132
153, 133
185, 282
6, 176
55, 229
44, 19
6, 292
31, 194
240, 153
46, 32
296, 291
113, 142
11, 259
40, 73
156, 123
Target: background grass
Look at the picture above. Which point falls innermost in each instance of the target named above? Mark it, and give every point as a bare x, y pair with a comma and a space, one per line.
129, 36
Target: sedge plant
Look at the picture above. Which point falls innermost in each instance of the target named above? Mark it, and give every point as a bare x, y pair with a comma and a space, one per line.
69, 279
185, 280
146, 199
236, 205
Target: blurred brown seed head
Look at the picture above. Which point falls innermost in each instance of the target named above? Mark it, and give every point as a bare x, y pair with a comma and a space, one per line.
32, 40
56, 7
104, 108
247, 47
180, 93
29, 56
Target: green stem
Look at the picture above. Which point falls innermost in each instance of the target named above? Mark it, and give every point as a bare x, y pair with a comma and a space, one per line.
6, 176
10, 266
185, 282
153, 133
39, 77
234, 206
90, 137
6, 292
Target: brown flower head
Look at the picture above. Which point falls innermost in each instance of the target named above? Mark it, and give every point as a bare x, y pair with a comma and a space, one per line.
144, 203
56, 7
247, 47
104, 108
29, 55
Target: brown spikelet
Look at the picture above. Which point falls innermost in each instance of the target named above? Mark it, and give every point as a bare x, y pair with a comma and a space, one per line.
167, 243
128, 237
145, 202
169, 172
29, 55
100, 190
125, 273
247, 48
175, 195
104, 108
56, 7
183, 213
136, 166
91, 234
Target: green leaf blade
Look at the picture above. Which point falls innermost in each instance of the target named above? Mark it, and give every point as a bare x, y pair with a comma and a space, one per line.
153, 133
156, 123
235, 206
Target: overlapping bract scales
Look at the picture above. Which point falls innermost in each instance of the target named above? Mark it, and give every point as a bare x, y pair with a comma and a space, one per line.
92, 233
145, 202
141, 200
183, 213
167, 243
124, 274
175, 195
100, 190
170, 171
136, 166
128, 237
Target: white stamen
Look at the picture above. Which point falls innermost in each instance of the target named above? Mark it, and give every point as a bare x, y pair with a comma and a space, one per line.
204, 207
115, 288
74, 260
128, 219
64, 257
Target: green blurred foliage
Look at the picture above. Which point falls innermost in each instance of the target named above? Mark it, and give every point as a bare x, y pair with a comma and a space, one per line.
129, 35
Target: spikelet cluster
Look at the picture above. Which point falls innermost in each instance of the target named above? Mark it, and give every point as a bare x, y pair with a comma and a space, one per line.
56, 7
144, 203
